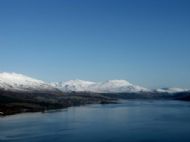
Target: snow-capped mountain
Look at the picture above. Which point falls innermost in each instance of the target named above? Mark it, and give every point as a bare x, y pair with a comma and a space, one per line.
171, 90
111, 86
22, 83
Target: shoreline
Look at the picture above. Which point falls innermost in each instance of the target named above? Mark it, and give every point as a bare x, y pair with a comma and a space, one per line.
12, 104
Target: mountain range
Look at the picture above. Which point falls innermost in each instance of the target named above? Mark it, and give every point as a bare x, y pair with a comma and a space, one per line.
20, 93
23, 83
111, 86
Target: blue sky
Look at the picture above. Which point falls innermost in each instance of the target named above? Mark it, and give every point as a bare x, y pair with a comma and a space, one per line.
146, 42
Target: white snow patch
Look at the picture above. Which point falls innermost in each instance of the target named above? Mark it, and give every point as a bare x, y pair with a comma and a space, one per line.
171, 90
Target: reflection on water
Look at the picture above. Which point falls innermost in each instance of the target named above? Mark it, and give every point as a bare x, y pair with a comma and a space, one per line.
133, 121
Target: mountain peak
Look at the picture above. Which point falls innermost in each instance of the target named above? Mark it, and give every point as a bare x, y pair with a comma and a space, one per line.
5, 76
22, 83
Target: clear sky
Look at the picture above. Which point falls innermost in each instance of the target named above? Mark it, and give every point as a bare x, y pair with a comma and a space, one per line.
146, 42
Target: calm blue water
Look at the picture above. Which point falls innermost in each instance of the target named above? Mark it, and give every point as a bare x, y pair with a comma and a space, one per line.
131, 121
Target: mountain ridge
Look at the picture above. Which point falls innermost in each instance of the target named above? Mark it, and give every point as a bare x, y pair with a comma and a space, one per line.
115, 86
23, 83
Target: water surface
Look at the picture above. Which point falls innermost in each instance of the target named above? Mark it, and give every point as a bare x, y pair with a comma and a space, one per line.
130, 121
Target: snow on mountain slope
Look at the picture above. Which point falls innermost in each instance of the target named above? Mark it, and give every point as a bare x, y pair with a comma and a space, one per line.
111, 86
171, 90
22, 83
74, 85
117, 86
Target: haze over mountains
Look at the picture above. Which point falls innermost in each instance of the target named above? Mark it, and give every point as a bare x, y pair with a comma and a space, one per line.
22, 83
